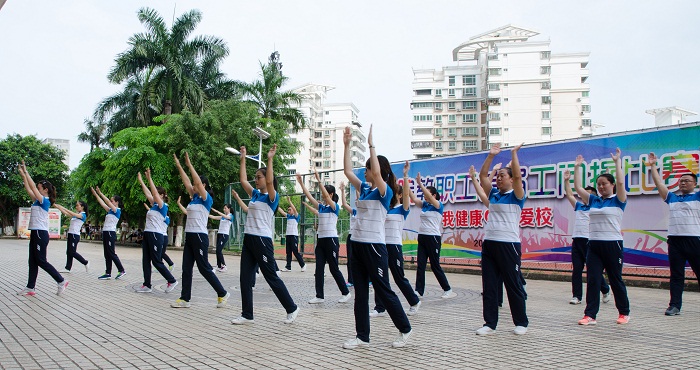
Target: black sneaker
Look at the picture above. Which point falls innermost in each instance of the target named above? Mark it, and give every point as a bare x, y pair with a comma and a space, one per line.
672, 311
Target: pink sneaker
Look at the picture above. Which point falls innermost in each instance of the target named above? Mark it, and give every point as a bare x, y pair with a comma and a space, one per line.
27, 292
587, 320
62, 287
623, 319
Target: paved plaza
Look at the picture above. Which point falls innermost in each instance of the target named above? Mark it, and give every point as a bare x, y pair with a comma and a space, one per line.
106, 324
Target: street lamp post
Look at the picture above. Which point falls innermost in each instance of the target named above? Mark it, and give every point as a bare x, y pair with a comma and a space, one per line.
262, 134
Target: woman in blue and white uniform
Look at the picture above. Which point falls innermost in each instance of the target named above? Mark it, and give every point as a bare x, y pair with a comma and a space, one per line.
369, 255
76, 222
152, 244
605, 249
43, 194
113, 206
348, 240
292, 236
327, 245
225, 219
197, 237
257, 240
501, 254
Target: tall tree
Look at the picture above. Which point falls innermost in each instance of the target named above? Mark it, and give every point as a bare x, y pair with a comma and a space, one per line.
94, 134
265, 94
172, 58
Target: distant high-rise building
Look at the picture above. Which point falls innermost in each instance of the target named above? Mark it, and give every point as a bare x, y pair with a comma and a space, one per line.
322, 140
669, 116
504, 89
63, 144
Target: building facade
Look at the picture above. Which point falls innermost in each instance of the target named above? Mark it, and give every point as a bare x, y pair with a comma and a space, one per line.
322, 141
505, 89
62, 144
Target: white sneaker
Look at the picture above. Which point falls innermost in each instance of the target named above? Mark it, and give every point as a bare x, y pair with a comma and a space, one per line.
279, 273
242, 321
180, 304
448, 294
143, 289
606, 297
221, 301
64, 271
303, 268
345, 298
420, 296
402, 339
87, 267
485, 330
62, 287
574, 300
355, 343
285, 270
414, 309
316, 300
375, 313
169, 288
171, 267
27, 292
520, 330
292, 316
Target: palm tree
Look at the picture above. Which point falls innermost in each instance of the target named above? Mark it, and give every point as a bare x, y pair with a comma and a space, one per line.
171, 60
266, 96
94, 134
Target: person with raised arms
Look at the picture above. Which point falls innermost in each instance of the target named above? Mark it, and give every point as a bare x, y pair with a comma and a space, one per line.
196, 236
225, 219
77, 220
292, 236
113, 206
257, 240
369, 253
43, 195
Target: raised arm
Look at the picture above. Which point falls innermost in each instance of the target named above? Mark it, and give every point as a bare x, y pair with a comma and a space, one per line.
185, 180
660, 186
426, 193
198, 185
29, 184
374, 163
343, 201
585, 196
182, 208
414, 197
477, 186
240, 202
620, 176
243, 176
518, 189
347, 159
486, 183
326, 195
145, 189
106, 200
156, 195
146, 206
294, 209
270, 175
405, 197
67, 211
567, 188
281, 212
494, 171
306, 192
217, 212
99, 200
311, 208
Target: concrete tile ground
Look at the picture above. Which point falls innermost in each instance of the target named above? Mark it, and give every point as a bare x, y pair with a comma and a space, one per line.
105, 324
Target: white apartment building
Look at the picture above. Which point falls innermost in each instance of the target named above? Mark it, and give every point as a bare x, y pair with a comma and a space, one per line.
62, 144
505, 89
322, 141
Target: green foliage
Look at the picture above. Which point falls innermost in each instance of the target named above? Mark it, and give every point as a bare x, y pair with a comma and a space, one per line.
44, 162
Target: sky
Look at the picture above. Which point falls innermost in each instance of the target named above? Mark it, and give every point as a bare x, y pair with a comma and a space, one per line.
55, 55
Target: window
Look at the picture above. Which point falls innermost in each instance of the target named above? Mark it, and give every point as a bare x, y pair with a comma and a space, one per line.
494, 101
494, 71
438, 145
586, 122
326, 164
586, 108
468, 105
545, 54
545, 70
451, 80
452, 145
328, 112
452, 118
327, 153
318, 154
584, 79
423, 117
470, 145
292, 160
546, 114
291, 172
493, 57
546, 85
494, 87
451, 93
319, 124
438, 119
438, 132
422, 105
438, 106
546, 130
326, 175
451, 131
451, 105
469, 91
327, 133
584, 65
327, 143
438, 92
469, 80
469, 118
418, 92
470, 131
494, 131
317, 164
318, 134
585, 94
318, 144
494, 116
546, 100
